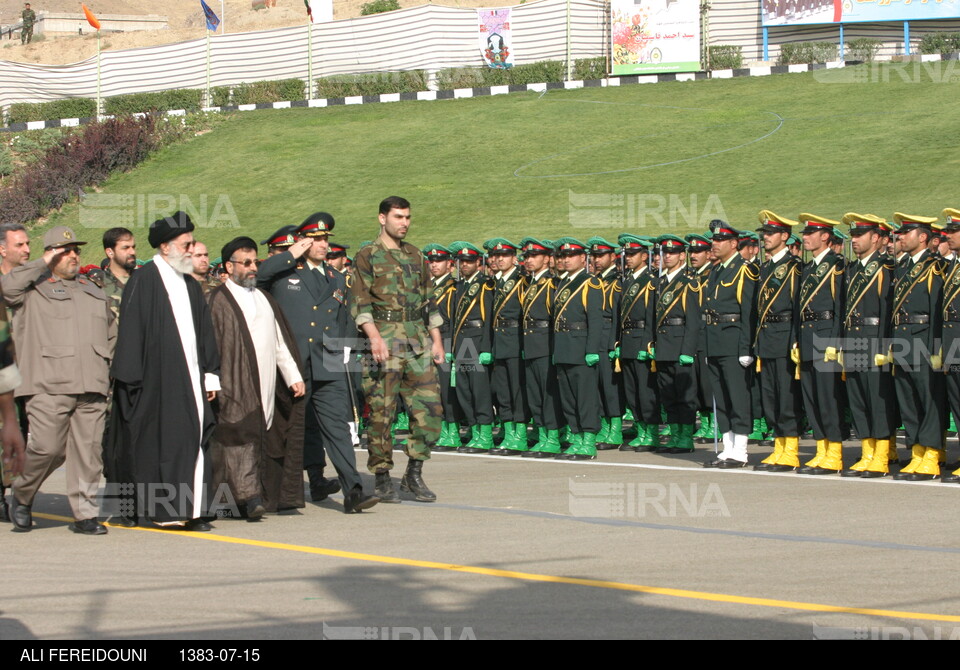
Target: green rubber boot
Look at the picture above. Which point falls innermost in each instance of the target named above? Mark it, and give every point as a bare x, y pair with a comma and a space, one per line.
566, 435
483, 442
604, 429
519, 438
472, 442
550, 447
614, 436
643, 436
705, 432
684, 442
953, 424
757, 433
587, 449
509, 438
576, 440
673, 432
628, 415
541, 439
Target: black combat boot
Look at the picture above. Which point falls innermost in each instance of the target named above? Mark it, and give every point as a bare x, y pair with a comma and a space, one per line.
412, 482
384, 488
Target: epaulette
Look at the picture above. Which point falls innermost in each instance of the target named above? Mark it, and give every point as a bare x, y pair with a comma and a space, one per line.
751, 271
594, 283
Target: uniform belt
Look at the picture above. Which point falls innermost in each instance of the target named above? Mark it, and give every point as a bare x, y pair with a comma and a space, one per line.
564, 326
863, 321
631, 324
536, 324
809, 315
507, 323
397, 315
473, 323
674, 321
904, 319
607, 318
711, 318
782, 317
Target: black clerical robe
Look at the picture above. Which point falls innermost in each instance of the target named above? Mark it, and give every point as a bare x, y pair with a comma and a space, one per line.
157, 433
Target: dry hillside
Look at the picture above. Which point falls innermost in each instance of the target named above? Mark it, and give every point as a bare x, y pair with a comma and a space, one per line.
185, 19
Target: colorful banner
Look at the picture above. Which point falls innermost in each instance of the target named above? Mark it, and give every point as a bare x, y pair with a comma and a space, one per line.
651, 36
496, 38
810, 12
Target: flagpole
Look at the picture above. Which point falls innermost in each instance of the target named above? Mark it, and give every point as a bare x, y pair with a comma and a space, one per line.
309, 60
209, 97
223, 20
99, 101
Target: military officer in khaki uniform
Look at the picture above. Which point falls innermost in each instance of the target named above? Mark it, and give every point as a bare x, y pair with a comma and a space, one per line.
66, 372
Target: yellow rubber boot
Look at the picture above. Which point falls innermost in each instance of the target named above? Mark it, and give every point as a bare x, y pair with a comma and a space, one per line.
867, 447
916, 456
821, 452
777, 452
791, 451
930, 465
879, 466
833, 460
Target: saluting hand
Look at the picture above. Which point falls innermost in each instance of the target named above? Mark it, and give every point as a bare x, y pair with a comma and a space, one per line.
299, 248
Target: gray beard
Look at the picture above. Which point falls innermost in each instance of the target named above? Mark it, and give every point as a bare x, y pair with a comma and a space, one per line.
249, 282
180, 262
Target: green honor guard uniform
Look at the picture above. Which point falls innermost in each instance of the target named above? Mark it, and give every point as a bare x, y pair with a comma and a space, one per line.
578, 343
507, 377
729, 318
866, 334
444, 290
775, 338
918, 377
472, 347
540, 375
951, 320
604, 256
675, 346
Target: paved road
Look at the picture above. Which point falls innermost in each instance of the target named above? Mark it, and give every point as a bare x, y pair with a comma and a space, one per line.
631, 546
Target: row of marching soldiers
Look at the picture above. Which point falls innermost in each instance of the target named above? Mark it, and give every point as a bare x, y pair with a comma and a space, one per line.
672, 329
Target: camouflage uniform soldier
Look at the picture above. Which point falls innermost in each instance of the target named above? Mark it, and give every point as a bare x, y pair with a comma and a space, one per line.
28, 17
12, 438
393, 306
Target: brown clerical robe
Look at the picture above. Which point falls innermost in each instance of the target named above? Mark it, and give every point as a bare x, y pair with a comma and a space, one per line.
242, 443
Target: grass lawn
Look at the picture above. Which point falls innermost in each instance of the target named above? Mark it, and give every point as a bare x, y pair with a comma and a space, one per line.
648, 159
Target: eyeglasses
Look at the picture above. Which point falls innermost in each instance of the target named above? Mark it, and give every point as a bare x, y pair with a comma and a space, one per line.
247, 263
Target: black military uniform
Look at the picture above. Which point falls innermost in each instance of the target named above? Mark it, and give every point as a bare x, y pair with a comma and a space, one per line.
729, 317
507, 364
777, 291
636, 315
820, 310
540, 375
314, 300
677, 331
918, 378
444, 291
951, 327
472, 345
578, 344
611, 382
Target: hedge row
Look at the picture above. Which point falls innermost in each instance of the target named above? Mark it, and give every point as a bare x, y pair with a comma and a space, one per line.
807, 52
940, 43
71, 108
726, 57
189, 99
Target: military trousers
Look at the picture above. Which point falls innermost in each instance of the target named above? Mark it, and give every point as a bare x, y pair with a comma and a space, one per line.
579, 397
780, 396
474, 393
411, 375
330, 402
872, 400
677, 392
920, 396
541, 387
640, 390
611, 387
730, 383
822, 404
508, 389
65, 429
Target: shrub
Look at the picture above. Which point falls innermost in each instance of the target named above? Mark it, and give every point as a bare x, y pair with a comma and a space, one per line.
807, 52
268, 91
82, 158
6, 160
373, 83
189, 99
220, 96
940, 43
71, 108
531, 73
726, 57
863, 49
379, 6
590, 68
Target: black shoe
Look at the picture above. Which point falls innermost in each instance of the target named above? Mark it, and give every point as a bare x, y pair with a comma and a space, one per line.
355, 501
627, 447
606, 446
678, 450
730, 464
320, 486
713, 463
645, 448
805, 470
198, 526
21, 517
497, 451
781, 468
873, 474
412, 482
821, 471
255, 509
950, 479
384, 488
125, 521
852, 473
4, 508
543, 454
88, 527
762, 467
917, 477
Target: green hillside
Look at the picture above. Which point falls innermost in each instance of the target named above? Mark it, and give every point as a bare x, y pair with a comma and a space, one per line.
646, 158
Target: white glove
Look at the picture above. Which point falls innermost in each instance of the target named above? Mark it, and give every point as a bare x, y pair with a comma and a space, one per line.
346, 355
745, 361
